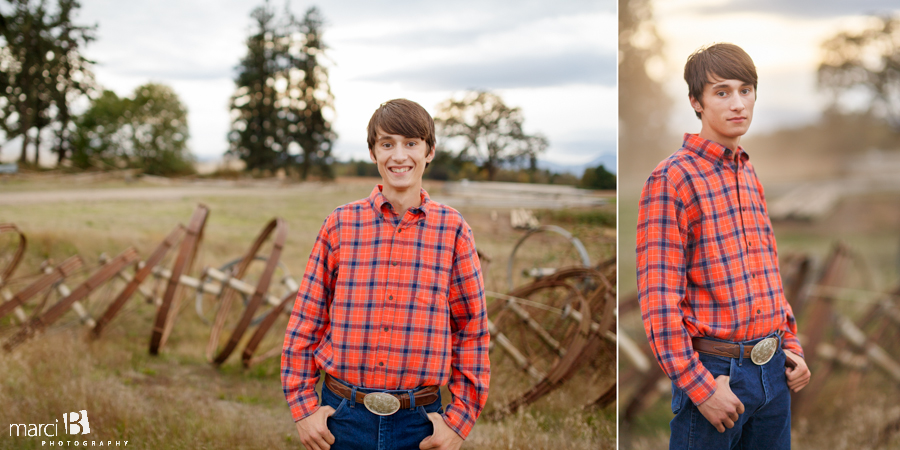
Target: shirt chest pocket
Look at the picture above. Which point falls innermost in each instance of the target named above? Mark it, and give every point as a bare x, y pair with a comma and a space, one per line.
430, 299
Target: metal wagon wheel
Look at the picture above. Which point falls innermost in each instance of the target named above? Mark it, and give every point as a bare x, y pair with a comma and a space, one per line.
10, 259
171, 301
205, 303
238, 320
543, 251
272, 314
30, 300
73, 300
268, 337
540, 332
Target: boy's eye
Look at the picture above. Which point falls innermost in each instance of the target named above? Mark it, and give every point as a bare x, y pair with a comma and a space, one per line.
411, 143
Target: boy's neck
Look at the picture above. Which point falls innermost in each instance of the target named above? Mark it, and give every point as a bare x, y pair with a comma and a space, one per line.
728, 142
403, 200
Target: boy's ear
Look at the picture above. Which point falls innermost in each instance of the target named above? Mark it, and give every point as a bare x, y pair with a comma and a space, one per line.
372, 156
430, 155
695, 103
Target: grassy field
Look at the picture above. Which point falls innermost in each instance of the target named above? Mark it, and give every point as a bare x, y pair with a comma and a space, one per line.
178, 400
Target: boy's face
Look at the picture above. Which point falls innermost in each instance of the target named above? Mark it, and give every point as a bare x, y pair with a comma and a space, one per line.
401, 160
726, 110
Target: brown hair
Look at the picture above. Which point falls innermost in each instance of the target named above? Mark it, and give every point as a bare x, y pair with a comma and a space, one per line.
404, 117
725, 61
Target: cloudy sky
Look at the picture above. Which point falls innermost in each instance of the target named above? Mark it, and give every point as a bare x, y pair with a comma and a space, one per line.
555, 60
782, 37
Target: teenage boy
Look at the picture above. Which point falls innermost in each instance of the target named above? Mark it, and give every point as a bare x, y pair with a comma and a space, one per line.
391, 307
710, 291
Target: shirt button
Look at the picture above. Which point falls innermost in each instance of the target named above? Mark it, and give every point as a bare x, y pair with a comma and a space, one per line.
398, 230
394, 263
381, 363
759, 311
390, 297
385, 328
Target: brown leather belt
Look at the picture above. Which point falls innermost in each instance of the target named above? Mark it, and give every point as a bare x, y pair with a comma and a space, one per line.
424, 396
728, 349
719, 348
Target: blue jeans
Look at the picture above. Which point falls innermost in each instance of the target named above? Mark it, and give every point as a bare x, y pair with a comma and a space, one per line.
355, 427
766, 421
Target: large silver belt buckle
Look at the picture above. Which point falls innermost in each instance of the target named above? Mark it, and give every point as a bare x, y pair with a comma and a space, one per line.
764, 350
381, 403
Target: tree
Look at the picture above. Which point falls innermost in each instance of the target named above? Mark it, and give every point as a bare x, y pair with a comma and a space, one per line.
644, 106
148, 131
282, 107
487, 131
598, 178
41, 71
867, 60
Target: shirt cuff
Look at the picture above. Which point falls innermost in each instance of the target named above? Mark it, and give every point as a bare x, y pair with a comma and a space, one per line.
700, 387
791, 343
458, 420
305, 405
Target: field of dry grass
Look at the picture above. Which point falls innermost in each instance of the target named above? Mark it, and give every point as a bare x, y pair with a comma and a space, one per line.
178, 400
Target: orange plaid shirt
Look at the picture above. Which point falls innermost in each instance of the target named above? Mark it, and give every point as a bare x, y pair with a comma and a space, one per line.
707, 264
391, 303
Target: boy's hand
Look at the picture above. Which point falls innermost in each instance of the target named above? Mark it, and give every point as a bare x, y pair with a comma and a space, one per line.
313, 429
723, 409
797, 377
443, 438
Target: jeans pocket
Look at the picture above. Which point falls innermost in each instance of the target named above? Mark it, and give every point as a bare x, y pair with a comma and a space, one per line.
422, 413
340, 409
717, 365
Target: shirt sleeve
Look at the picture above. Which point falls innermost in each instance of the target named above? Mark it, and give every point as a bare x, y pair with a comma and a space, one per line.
307, 325
662, 237
470, 365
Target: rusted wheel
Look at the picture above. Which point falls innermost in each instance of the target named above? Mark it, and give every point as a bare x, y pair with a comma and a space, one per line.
541, 252
72, 299
540, 333
10, 259
171, 302
30, 301
206, 304
218, 350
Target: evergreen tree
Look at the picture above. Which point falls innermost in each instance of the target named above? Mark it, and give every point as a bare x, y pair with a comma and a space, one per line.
41, 71
283, 104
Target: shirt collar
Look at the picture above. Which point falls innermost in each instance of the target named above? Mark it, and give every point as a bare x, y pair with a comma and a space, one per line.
378, 200
712, 151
